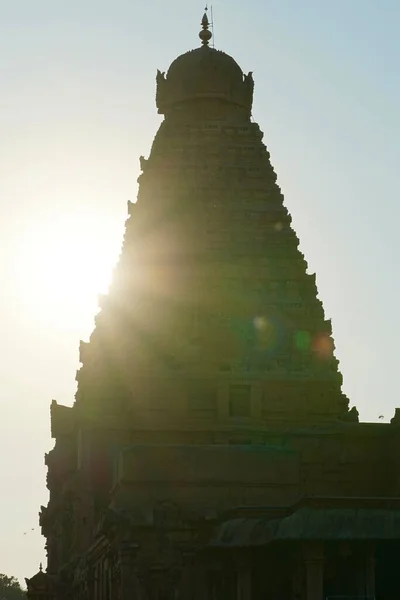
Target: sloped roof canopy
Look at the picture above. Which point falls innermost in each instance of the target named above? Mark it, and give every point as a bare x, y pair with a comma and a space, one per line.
323, 524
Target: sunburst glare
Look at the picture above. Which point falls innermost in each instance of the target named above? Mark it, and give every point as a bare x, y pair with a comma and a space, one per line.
62, 267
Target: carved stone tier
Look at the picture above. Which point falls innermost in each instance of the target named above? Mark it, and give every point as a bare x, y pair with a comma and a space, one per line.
210, 279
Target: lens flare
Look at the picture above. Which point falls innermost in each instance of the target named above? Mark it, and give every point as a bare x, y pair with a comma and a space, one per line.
323, 346
266, 333
260, 323
302, 340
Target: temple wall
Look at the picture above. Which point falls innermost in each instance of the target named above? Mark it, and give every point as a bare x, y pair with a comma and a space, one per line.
203, 479
351, 462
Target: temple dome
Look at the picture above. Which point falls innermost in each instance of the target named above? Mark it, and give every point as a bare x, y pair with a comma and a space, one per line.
194, 66
204, 73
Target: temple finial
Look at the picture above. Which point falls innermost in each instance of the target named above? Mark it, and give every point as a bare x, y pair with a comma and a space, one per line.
40, 567
205, 34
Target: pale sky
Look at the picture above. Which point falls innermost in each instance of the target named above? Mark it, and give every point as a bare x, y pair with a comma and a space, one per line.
77, 110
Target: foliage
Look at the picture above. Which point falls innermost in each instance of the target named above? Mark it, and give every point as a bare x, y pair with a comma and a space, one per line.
10, 588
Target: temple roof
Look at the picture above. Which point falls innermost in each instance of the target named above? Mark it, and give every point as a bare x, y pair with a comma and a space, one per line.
316, 522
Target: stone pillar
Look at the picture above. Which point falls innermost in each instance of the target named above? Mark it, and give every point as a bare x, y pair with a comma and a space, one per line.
370, 572
200, 582
366, 572
243, 578
187, 583
298, 581
158, 582
130, 588
314, 560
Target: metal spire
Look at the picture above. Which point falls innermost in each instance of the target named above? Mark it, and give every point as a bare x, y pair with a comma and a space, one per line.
205, 34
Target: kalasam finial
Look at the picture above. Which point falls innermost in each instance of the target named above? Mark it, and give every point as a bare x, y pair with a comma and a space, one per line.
205, 34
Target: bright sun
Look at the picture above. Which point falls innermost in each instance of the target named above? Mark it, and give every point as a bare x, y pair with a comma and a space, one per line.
62, 268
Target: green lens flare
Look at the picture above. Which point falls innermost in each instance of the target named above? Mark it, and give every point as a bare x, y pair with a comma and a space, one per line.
302, 340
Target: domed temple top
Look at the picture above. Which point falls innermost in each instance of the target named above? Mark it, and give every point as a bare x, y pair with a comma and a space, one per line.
40, 586
204, 74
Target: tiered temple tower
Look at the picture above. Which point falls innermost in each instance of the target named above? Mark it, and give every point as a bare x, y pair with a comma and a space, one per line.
211, 299
209, 382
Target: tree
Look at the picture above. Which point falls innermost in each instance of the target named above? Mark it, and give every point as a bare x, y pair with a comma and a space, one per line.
10, 588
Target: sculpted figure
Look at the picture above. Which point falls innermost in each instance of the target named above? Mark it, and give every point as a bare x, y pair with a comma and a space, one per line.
248, 86
160, 93
160, 77
352, 415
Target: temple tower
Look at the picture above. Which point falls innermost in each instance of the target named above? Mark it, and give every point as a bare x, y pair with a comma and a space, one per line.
209, 398
211, 313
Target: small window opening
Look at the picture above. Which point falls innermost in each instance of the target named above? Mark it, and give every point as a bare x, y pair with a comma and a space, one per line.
240, 401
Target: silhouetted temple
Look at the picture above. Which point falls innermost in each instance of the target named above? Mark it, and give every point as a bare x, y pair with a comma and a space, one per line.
210, 452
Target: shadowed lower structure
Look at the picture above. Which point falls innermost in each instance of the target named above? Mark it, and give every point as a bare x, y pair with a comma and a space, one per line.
210, 451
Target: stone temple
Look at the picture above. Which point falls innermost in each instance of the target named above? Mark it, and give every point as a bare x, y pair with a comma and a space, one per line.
210, 452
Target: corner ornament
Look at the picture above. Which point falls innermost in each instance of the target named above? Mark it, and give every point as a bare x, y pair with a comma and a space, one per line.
143, 162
